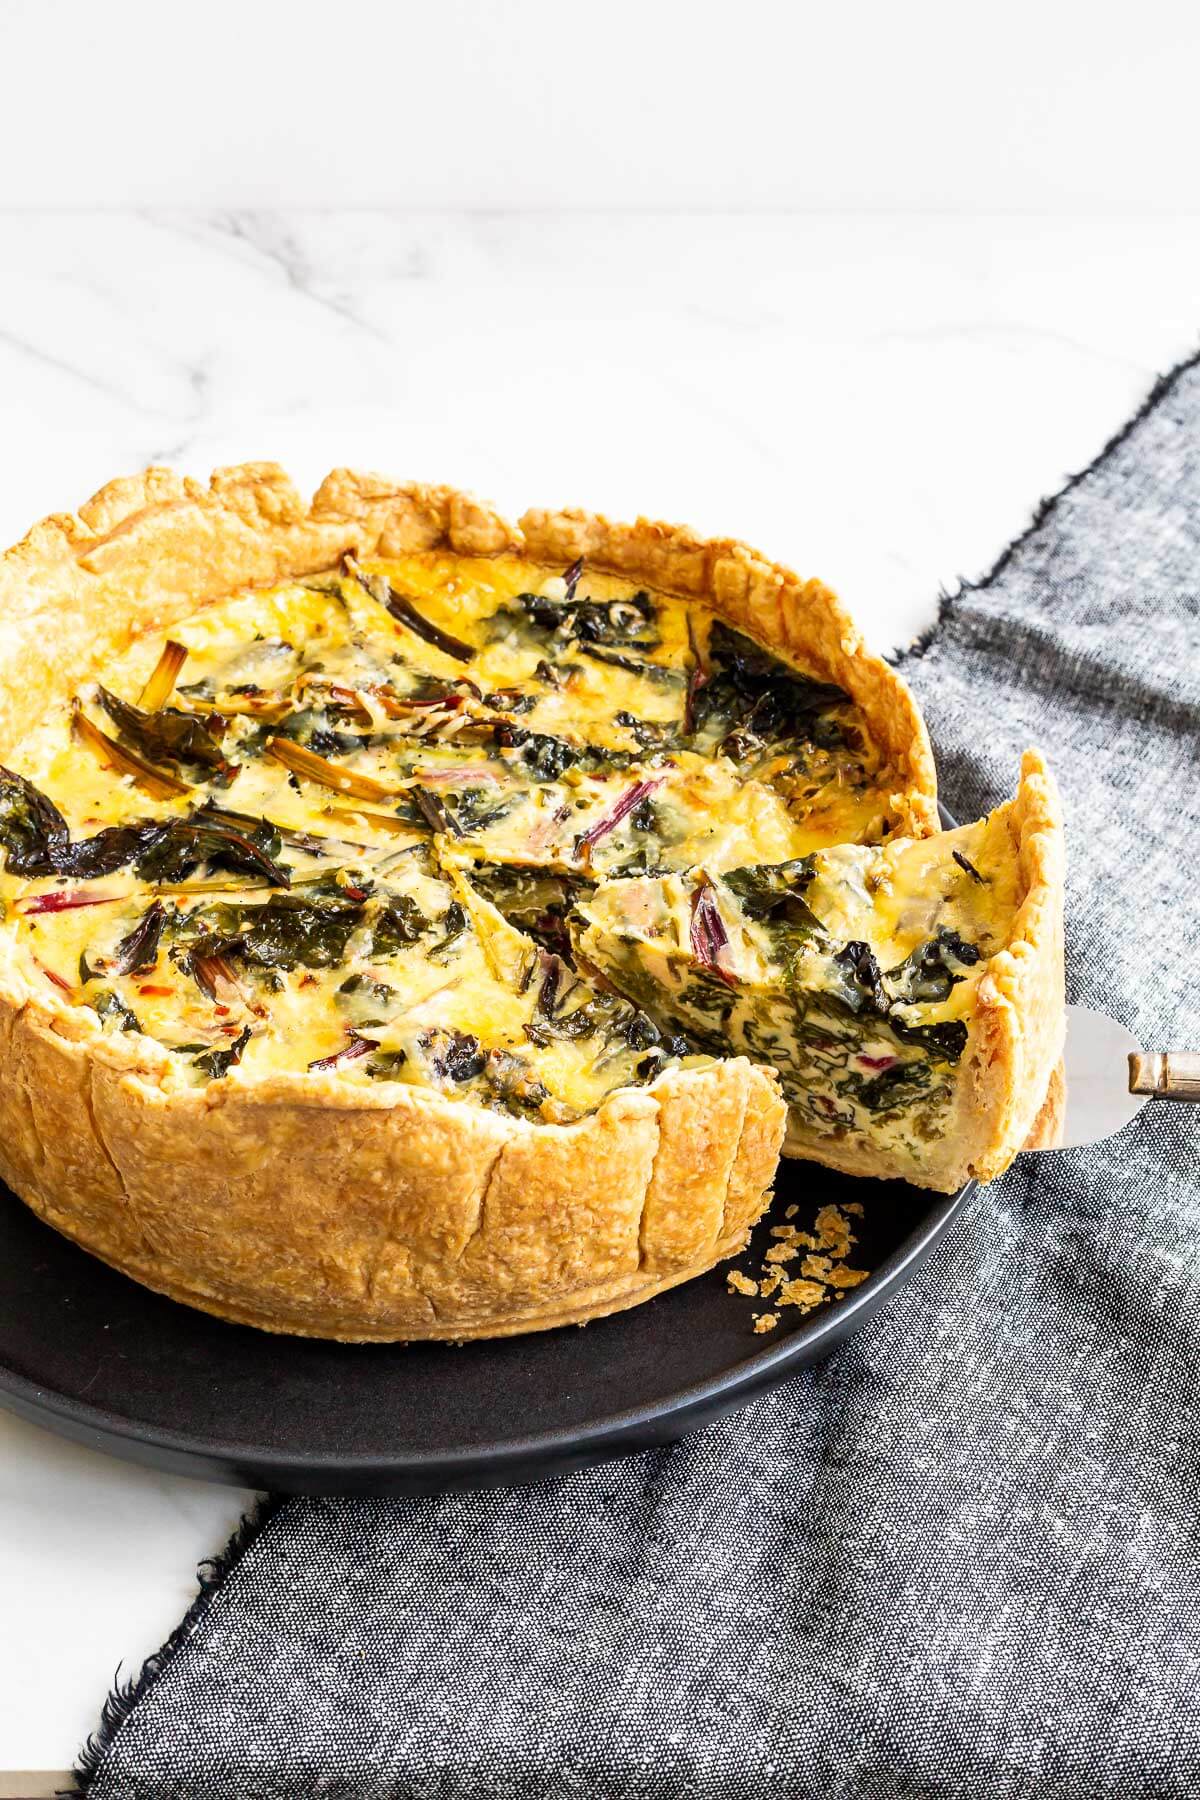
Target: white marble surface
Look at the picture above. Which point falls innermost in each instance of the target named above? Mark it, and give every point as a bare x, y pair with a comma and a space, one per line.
879, 400
527, 103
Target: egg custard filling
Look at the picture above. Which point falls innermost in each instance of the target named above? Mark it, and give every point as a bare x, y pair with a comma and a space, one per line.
357, 821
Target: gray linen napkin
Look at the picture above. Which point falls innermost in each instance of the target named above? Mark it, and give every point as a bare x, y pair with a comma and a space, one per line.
959, 1559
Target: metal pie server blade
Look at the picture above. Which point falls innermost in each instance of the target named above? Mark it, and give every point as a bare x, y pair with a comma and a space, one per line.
1109, 1078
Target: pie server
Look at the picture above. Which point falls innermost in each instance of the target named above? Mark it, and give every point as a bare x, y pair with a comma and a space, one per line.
1110, 1077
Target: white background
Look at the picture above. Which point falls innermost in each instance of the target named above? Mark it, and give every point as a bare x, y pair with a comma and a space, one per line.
1036, 105
860, 287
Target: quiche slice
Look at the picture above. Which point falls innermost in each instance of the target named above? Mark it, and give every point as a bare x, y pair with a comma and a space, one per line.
300, 805
908, 994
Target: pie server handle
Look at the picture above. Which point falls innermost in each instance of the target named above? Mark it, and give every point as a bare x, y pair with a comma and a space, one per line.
1167, 1074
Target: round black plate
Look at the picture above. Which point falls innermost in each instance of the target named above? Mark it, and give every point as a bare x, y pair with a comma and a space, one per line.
94, 1356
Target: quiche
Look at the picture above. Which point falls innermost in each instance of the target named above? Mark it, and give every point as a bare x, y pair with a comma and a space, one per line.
417, 925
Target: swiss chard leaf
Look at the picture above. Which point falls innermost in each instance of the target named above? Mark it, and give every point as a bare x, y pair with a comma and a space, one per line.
224, 840
771, 893
901, 1085
113, 1010
650, 734
164, 736
138, 949
945, 1041
930, 971
219, 1061
33, 832
35, 836
452, 1055
535, 901
750, 697
455, 924
287, 932
860, 979
613, 622
396, 921
660, 673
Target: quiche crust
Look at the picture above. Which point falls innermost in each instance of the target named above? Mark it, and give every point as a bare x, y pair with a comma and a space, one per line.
300, 1203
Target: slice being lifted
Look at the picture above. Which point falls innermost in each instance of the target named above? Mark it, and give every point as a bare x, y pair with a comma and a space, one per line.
908, 994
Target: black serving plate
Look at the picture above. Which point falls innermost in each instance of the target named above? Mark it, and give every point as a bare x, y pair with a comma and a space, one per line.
90, 1354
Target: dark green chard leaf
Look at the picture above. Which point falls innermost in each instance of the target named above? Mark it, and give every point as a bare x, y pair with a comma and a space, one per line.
610, 1020
613, 622
223, 840
367, 1000
396, 922
749, 697
33, 832
770, 893
536, 902
900, 1086
545, 758
452, 1055
929, 973
113, 1010
116, 847
218, 1062
138, 949
477, 809
860, 988
511, 1080
286, 933
651, 734
35, 836
944, 1041
165, 736
455, 924
310, 727
659, 673
510, 700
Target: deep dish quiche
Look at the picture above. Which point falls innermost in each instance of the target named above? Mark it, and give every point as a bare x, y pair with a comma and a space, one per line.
416, 925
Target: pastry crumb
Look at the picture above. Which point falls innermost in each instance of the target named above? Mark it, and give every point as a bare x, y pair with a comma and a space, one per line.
832, 1230
801, 1293
824, 1273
